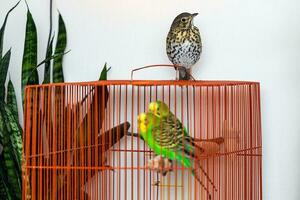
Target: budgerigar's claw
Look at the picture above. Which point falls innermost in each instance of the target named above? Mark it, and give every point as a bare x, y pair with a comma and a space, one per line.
156, 183
164, 173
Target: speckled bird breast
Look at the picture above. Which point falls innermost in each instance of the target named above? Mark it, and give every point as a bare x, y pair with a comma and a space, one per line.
184, 47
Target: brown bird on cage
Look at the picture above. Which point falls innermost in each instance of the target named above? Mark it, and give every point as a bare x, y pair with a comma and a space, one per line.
184, 44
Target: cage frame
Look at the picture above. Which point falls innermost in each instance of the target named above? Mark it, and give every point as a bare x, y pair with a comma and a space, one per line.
159, 83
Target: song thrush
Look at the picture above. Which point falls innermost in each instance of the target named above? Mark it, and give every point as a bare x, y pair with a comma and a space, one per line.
184, 44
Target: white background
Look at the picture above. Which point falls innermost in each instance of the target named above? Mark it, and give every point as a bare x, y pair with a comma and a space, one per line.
243, 40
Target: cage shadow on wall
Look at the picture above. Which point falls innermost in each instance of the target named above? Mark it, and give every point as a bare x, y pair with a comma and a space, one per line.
81, 140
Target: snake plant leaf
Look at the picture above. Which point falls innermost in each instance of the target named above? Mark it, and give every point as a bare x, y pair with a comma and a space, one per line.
29, 55
43, 62
103, 94
4, 63
47, 71
60, 47
14, 133
12, 100
3, 27
103, 75
15, 130
12, 169
5, 190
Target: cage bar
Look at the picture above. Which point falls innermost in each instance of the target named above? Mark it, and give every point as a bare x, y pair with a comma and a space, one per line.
81, 141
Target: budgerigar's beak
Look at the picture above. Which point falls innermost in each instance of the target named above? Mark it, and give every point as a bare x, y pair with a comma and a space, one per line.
194, 15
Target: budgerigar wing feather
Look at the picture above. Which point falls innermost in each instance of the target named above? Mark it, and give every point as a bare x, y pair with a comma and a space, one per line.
170, 132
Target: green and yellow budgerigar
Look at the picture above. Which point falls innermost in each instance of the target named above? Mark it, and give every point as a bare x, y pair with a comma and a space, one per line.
162, 111
180, 139
174, 125
162, 143
168, 139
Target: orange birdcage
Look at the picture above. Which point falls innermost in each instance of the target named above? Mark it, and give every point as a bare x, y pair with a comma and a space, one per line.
81, 140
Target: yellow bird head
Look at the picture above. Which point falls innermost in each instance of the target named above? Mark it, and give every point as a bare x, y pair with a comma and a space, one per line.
146, 120
142, 122
159, 108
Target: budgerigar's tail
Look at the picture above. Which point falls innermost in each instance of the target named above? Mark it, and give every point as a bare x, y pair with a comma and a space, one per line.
197, 173
190, 150
200, 182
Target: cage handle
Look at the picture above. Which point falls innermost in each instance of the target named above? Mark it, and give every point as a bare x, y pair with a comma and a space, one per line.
159, 65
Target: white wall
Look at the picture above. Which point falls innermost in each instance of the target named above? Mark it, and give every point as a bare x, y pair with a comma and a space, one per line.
245, 40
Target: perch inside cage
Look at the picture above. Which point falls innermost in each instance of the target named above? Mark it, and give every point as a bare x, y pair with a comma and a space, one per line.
86, 140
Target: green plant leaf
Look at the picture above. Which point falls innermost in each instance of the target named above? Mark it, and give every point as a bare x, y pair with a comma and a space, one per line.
49, 51
47, 71
12, 169
5, 190
3, 28
4, 63
12, 125
12, 100
103, 75
60, 47
44, 61
29, 55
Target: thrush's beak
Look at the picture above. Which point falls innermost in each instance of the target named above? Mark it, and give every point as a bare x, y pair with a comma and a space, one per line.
194, 15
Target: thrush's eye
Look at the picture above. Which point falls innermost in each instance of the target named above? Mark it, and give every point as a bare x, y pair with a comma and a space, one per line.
183, 19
